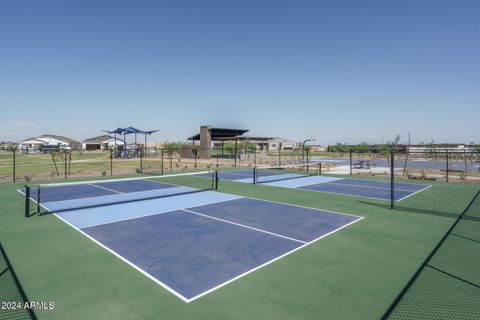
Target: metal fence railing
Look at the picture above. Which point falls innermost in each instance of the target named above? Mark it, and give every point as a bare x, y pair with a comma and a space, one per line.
52, 163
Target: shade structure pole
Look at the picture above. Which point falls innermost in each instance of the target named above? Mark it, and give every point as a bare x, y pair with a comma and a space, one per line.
124, 145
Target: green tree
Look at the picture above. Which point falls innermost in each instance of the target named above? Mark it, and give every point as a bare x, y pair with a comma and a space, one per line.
172, 147
362, 147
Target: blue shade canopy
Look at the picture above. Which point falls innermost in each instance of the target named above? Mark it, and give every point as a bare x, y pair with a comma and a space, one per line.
130, 130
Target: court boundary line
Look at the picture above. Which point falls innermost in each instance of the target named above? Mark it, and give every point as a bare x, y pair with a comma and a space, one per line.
163, 285
271, 261
346, 194
427, 187
188, 300
242, 225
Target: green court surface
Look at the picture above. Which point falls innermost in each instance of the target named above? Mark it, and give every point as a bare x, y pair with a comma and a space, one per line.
355, 273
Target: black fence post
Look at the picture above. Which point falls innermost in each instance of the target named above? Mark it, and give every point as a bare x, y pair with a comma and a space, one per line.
111, 162
162, 160
65, 163
236, 145
392, 179
195, 153
14, 164
447, 163
319, 168
280, 154
350, 151
141, 161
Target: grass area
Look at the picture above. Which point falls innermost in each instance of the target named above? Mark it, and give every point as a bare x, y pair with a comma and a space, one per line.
353, 274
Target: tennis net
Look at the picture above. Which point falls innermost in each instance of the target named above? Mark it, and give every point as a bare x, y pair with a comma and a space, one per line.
278, 173
57, 197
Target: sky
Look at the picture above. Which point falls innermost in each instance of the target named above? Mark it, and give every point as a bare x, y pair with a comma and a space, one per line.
343, 71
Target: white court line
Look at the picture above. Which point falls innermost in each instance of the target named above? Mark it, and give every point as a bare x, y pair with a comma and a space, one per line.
108, 189
415, 193
342, 194
179, 295
271, 261
242, 225
127, 261
155, 213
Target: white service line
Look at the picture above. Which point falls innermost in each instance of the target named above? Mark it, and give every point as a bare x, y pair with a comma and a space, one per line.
243, 226
108, 189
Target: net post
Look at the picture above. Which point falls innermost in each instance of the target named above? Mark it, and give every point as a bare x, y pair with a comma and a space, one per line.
392, 179
38, 199
254, 175
319, 168
215, 180
27, 201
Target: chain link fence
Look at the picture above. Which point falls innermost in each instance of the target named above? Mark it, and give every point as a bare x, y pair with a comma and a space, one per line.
447, 284
12, 295
51, 163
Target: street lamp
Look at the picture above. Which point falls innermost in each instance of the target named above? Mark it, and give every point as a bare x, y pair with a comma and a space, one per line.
303, 146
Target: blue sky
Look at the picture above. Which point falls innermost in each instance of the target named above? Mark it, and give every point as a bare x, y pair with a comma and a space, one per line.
344, 71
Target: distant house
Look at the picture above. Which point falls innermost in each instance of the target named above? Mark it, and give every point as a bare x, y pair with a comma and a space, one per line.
281, 143
265, 143
104, 142
49, 140
318, 148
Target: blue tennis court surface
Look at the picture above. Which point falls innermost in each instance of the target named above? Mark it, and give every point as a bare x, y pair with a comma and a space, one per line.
193, 244
345, 186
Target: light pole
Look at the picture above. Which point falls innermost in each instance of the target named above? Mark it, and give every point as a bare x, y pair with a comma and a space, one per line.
303, 147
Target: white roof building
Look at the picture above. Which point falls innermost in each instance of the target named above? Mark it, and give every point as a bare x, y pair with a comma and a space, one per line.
37, 143
104, 142
284, 144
